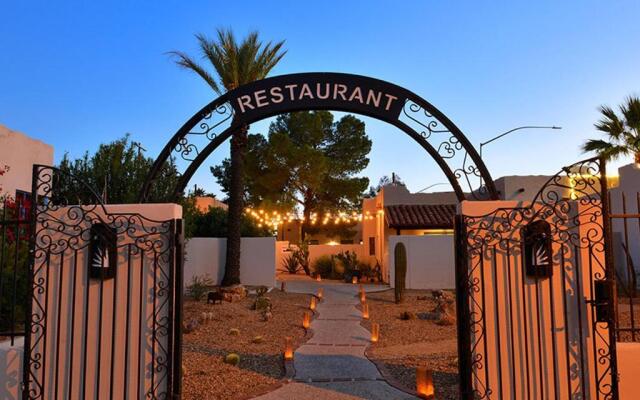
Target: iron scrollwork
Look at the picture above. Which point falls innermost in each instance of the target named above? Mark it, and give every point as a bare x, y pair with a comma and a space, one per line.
65, 232
572, 204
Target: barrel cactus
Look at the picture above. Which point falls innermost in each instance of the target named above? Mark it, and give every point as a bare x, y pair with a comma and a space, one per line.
400, 257
232, 358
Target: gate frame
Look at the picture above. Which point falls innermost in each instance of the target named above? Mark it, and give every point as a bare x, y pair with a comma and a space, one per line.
174, 304
462, 268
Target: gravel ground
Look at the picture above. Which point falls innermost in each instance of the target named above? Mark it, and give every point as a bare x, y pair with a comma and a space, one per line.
407, 344
261, 365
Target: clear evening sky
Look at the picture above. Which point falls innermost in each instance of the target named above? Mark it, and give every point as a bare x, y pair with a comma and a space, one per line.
76, 74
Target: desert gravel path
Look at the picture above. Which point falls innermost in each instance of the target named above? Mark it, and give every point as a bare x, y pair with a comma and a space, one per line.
332, 364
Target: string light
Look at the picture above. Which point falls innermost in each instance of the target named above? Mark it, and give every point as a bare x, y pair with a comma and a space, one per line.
274, 218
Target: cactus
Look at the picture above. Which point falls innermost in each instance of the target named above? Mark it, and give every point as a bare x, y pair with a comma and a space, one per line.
262, 304
400, 265
232, 358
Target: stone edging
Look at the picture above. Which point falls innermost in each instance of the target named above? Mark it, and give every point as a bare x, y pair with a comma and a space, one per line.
381, 368
289, 368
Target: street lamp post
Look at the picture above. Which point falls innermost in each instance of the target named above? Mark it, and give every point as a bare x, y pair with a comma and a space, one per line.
513, 130
503, 134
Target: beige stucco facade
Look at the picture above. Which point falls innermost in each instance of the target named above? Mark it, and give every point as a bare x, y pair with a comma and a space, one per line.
19, 152
376, 232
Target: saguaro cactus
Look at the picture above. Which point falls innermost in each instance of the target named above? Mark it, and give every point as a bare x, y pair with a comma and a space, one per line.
400, 265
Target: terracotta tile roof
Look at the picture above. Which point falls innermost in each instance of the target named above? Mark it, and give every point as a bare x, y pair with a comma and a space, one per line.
420, 216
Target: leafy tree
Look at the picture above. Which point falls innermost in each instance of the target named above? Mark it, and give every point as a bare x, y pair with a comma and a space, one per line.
622, 131
308, 161
215, 223
384, 181
234, 64
116, 171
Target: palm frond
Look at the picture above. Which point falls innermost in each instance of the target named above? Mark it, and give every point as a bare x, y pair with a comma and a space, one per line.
610, 123
631, 112
605, 149
234, 63
184, 61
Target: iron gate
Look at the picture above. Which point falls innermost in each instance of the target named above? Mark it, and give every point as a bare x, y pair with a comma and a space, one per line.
535, 293
105, 290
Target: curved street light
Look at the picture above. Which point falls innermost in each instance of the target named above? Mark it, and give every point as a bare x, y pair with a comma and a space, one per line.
430, 186
513, 130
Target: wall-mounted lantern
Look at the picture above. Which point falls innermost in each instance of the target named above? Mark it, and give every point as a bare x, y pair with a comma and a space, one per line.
538, 256
103, 252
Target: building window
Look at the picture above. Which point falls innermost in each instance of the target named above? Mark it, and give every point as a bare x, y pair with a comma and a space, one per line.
372, 246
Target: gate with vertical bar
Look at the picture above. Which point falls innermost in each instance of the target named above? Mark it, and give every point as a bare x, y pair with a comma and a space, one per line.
535, 292
105, 296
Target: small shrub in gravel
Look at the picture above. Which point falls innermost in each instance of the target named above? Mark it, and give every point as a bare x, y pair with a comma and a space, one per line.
234, 331
407, 315
258, 339
199, 287
262, 304
191, 326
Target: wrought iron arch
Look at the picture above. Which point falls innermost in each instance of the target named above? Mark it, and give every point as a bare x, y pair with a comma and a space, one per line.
423, 122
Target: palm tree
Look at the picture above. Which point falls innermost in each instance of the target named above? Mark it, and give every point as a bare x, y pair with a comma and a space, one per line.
622, 130
234, 64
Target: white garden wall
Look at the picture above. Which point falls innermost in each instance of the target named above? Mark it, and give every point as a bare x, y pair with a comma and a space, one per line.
430, 261
316, 251
208, 256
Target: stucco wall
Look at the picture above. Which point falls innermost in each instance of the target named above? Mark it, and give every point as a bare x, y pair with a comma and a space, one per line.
430, 261
629, 186
629, 370
11, 369
20, 152
208, 255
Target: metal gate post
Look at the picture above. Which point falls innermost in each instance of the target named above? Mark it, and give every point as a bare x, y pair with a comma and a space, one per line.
178, 309
610, 275
463, 315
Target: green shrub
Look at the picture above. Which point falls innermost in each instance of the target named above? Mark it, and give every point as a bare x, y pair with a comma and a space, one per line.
290, 264
262, 303
199, 287
323, 265
214, 223
302, 255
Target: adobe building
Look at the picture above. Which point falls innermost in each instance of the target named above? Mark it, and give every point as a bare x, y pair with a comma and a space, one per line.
18, 153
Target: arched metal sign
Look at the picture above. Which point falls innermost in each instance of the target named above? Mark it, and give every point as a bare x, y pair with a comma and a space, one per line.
423, 122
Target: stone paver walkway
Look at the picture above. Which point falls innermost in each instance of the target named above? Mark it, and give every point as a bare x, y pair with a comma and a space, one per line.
332, 364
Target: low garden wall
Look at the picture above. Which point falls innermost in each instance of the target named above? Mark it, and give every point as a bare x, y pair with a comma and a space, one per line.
207, 256
430, 261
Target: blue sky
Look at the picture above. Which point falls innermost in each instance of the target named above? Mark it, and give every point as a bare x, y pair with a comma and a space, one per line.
76, 74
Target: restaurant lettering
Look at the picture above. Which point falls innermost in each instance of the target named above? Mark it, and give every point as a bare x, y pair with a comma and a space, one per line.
317, 91
335, 91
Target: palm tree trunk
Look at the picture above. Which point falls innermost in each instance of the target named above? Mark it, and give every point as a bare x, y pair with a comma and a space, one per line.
637, 157
236, 205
